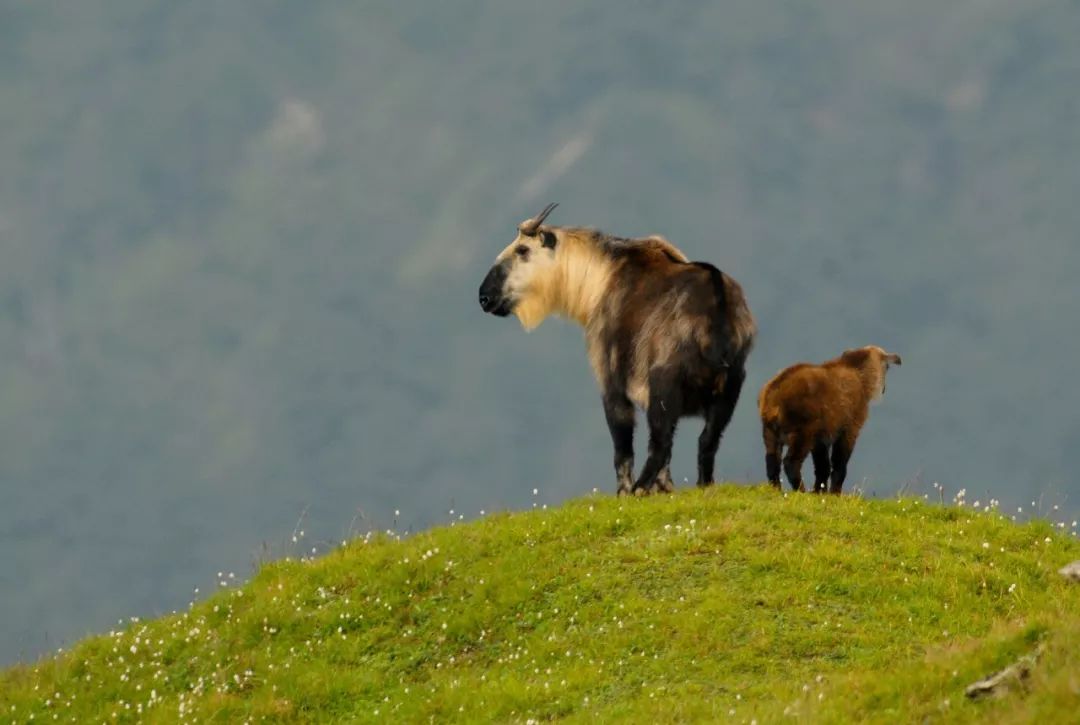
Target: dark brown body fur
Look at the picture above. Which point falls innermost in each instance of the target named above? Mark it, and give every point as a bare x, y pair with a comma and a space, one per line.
810, 409
672, 336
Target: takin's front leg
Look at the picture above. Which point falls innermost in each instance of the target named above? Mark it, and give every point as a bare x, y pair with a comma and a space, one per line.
663, 415
619, 412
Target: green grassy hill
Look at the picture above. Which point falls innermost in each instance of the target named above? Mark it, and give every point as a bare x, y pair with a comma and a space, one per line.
734, 604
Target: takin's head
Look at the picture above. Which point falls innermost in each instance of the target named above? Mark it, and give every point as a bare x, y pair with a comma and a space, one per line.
518, 280
873, 363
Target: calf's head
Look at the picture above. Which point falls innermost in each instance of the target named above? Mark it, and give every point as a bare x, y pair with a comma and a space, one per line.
874, 363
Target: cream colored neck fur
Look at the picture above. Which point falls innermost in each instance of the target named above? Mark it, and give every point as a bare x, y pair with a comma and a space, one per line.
573, 287
872, 375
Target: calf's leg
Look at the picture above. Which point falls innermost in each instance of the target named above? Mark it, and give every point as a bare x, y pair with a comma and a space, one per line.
822, 469
798, 448
773, 449
841, 454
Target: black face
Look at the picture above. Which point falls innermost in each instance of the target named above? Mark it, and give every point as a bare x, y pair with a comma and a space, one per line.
492, 298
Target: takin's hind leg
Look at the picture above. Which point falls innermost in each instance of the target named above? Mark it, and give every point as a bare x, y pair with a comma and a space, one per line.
708, 442
717, 417
822, 468
663, 415
798, 448
664, 484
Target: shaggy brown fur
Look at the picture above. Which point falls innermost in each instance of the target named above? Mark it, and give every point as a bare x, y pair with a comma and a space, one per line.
809, 408
663, 332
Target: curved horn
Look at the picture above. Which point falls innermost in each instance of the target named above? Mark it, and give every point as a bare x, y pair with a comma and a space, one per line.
530, 227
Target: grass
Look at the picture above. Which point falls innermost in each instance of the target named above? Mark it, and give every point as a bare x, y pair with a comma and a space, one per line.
732, 604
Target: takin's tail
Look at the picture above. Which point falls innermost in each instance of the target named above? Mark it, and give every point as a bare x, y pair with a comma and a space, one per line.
733, 328
740, 321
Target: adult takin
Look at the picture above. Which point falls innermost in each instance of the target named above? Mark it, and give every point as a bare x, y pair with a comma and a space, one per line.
810, 408
661, 331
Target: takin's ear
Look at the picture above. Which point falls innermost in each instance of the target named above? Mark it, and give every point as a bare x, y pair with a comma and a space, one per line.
547, 239
893, 358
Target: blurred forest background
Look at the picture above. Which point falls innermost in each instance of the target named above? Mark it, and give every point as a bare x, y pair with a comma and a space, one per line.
241, 243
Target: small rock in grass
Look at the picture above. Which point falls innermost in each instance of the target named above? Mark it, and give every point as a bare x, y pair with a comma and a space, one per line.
1071, 571
1006, 678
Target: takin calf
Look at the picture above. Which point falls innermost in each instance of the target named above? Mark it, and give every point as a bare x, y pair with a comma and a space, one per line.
663, 332
809, 408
